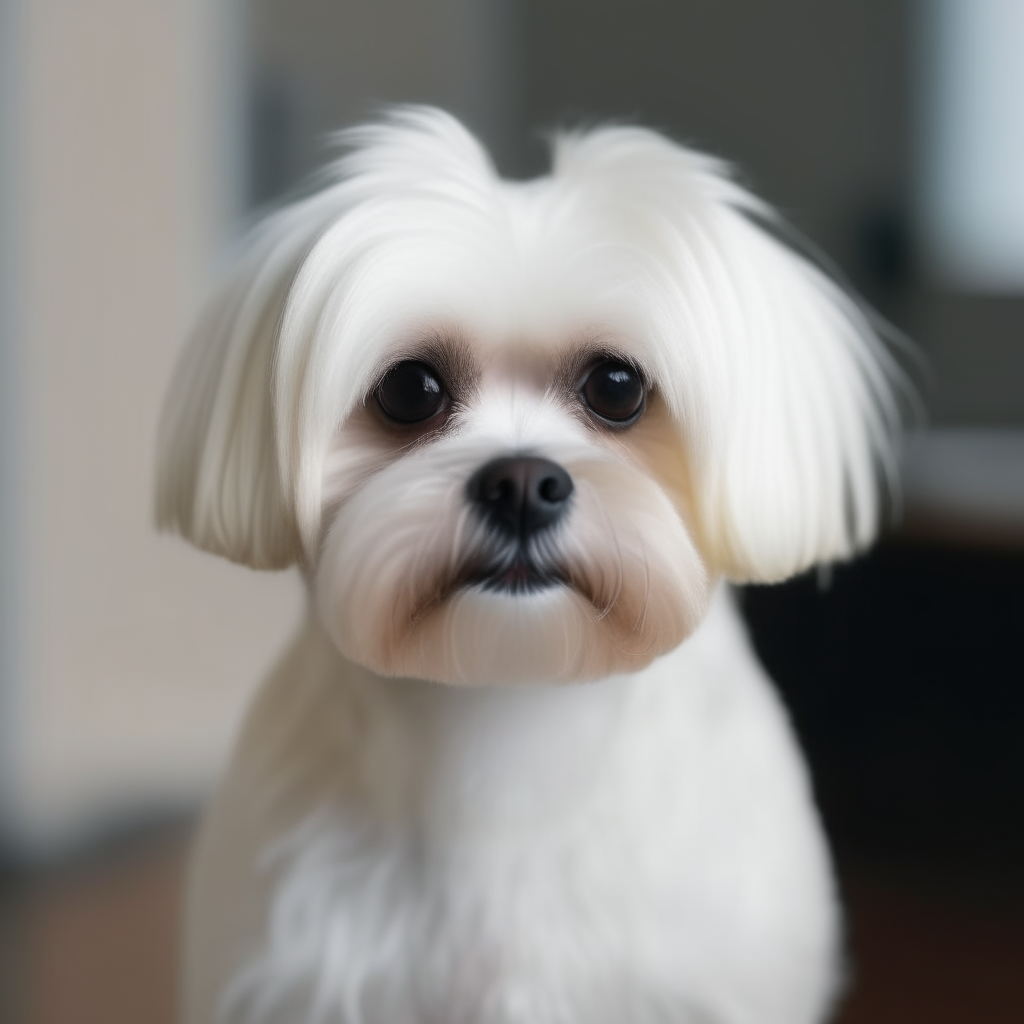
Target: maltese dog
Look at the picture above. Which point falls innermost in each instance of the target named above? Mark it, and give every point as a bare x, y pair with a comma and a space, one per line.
521, 765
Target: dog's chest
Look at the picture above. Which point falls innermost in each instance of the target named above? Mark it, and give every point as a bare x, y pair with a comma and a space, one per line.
589, 853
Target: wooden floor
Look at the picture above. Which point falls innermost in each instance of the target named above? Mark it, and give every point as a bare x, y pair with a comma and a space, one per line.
944, 950
97, 945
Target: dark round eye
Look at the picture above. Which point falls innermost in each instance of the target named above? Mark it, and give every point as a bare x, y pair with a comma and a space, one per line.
411, 393
614, 391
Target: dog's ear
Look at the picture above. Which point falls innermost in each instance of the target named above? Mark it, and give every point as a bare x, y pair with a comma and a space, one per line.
218, 475
803, 452
782, 391
244, 425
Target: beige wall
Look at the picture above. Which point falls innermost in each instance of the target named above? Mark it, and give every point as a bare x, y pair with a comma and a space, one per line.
136, 653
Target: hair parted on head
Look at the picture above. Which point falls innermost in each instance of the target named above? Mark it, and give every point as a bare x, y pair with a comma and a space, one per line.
780, 388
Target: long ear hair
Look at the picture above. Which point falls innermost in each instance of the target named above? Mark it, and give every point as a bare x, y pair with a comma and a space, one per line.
246, 419
218, 476
783, 392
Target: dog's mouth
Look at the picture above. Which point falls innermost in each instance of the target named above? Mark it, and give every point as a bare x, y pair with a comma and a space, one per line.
518, 575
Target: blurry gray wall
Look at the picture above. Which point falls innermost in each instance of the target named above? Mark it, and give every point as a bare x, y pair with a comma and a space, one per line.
319, 65
808, 98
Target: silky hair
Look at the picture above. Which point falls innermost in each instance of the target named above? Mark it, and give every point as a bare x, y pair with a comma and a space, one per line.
774, 378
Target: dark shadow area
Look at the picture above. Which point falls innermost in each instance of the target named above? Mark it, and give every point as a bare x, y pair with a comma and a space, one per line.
904, 675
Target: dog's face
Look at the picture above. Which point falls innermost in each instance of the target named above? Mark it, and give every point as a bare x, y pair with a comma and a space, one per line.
500, 510
513, 431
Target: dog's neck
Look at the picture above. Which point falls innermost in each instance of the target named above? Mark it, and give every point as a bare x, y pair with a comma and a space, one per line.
453, 753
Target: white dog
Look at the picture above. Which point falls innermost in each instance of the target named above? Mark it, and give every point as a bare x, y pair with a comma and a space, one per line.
521, 766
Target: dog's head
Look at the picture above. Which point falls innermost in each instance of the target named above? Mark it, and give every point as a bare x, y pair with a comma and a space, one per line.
514, 430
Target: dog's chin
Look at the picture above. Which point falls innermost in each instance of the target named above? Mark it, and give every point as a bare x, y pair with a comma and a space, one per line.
518, 625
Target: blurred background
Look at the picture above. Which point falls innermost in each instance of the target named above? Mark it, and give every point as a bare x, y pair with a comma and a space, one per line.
135, 139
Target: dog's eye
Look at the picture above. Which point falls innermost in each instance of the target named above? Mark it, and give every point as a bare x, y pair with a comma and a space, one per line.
614, 391
411, 393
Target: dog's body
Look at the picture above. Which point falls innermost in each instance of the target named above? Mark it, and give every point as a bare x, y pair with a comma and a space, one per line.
641, 849
521, 766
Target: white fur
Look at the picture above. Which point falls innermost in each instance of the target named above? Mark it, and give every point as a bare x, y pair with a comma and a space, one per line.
640, 846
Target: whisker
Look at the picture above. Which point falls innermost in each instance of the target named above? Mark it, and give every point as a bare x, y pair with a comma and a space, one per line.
610, 527
642, 617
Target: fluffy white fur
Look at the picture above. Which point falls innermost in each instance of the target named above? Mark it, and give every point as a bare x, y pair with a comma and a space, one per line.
390, 848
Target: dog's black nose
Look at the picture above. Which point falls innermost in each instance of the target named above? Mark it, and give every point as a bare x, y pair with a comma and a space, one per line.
521, 495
